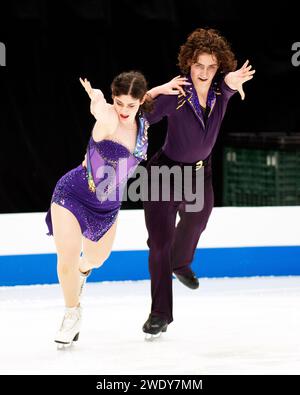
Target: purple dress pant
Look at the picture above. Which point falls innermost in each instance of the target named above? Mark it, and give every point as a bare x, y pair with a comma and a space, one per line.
172, 247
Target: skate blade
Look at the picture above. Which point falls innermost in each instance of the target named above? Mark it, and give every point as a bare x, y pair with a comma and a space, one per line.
63, 346
150, 338
66, 346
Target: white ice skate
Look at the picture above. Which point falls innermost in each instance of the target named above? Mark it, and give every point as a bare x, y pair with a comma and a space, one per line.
70, 327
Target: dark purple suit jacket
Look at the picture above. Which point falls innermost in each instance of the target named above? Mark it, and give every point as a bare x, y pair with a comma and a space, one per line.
188, 138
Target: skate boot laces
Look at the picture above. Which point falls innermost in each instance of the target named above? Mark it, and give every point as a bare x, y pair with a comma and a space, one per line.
71, 317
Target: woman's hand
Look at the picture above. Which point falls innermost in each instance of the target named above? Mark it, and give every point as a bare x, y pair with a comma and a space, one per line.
235, 79
96, 96
88, 88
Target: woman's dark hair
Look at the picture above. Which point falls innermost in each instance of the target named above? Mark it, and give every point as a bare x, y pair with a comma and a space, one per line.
206, 41
132, 83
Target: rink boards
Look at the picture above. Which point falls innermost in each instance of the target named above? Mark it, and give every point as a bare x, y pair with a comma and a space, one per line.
238, 242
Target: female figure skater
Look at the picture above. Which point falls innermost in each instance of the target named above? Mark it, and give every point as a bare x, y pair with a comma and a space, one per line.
194, 120
83, 217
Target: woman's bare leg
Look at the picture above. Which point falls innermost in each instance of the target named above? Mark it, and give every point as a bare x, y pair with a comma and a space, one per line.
68, 240
95, 253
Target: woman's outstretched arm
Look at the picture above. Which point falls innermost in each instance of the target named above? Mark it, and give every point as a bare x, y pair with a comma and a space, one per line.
105, 114
99, 106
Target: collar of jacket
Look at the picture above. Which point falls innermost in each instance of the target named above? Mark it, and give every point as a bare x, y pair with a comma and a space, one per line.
192, 99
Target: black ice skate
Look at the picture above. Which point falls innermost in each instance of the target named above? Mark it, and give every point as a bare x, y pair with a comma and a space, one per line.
154, 327
189, 279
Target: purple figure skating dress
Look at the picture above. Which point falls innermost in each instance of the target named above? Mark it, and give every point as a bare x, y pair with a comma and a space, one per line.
94, 195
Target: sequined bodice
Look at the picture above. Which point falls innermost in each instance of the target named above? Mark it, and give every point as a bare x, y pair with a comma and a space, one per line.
112, 156
110, 153
110, 150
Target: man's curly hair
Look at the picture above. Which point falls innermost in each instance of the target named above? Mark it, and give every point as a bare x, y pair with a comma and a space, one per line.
206, 41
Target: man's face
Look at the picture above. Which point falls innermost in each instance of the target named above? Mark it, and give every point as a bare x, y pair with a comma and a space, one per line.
204, 70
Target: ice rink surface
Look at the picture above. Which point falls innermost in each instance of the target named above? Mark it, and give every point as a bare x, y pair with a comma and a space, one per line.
227, 326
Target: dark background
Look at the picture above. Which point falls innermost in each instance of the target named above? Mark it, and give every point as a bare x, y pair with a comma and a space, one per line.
45, 122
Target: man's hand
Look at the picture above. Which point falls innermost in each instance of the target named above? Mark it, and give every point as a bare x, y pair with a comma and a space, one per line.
173, 87
235, 79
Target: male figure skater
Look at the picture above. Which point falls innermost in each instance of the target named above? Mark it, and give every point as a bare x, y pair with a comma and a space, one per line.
194, 121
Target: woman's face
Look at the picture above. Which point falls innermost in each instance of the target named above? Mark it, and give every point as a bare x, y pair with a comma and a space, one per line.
126, 107
204, 70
